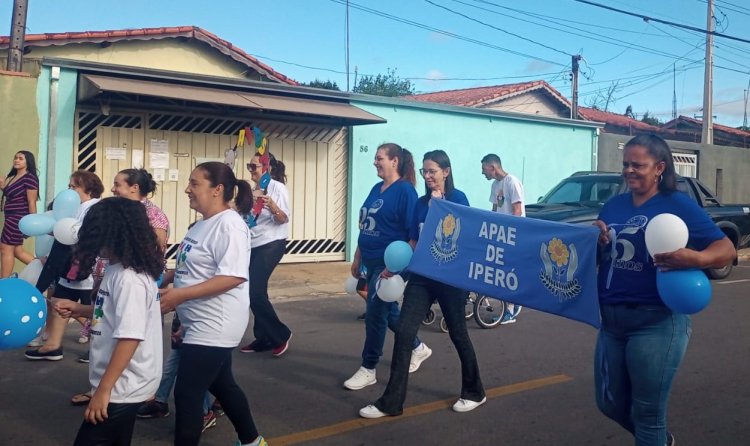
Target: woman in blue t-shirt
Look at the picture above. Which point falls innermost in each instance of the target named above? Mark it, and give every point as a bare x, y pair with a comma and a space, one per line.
642, 342
419, 295
385, 216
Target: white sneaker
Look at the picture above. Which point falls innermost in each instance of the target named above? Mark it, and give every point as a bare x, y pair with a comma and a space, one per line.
371, 412
37, 341
463, 405
418, 355
361, 379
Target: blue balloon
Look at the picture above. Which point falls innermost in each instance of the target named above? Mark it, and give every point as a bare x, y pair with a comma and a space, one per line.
23, 311
685, 291
36, 224
43, 245
397, 256
66, 204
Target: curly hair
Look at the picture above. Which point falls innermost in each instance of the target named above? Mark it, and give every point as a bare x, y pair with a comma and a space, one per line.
118, 228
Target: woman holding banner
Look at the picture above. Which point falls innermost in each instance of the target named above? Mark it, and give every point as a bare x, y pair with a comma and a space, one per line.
642, 342
385, 216
419, 295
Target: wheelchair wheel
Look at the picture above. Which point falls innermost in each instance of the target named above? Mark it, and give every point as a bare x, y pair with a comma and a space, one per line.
469, 309
443, 325
488, 312
429, 318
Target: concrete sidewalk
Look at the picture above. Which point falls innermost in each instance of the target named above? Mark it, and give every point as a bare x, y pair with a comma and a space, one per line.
297, 280
290, 280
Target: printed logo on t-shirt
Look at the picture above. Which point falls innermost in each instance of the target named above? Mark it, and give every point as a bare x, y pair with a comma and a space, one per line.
367, 219
183, 250
622, 246
98, 310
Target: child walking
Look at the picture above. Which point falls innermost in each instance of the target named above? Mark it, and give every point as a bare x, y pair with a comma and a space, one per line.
126, 347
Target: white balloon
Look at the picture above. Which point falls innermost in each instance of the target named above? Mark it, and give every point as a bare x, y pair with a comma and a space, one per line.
666, 233
391, 289
350, 286
31, 272
65, 231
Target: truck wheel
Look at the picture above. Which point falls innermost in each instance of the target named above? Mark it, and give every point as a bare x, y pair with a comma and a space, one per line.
719, 273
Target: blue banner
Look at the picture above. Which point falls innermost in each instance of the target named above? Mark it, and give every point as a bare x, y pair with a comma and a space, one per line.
544, 265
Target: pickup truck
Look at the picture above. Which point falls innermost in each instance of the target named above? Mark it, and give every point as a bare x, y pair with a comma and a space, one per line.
578, 199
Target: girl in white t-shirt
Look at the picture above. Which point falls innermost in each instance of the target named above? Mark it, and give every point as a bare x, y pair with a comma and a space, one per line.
211, 298
126, 342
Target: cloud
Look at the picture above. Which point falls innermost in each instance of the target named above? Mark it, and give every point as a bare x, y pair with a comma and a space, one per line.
537, 66
435, 75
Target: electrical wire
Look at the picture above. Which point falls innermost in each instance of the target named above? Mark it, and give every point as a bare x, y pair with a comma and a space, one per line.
443, 32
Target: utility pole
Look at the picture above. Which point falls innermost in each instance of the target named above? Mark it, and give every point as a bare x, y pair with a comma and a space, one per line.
17, 35
707, 134
347, 45
574, 108
747, 94
674, 91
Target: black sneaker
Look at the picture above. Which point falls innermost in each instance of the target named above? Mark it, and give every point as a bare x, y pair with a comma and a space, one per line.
209, 420
84, 359
153, 409
52, 355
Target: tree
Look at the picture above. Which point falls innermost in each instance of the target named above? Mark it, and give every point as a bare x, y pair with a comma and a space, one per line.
388, 84
650, 120
317, 83
603, 99
629, 112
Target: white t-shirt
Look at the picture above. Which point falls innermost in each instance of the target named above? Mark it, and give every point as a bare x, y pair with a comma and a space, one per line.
88, 282
505, 192
218, 246
267, 230
127, 307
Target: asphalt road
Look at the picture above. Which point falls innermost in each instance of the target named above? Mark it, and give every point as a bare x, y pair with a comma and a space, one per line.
538, 375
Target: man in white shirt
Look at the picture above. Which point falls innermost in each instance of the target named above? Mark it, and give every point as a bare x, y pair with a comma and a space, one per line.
507, 198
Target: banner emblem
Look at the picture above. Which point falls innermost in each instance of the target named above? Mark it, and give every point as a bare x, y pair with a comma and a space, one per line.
444, 248
560, 265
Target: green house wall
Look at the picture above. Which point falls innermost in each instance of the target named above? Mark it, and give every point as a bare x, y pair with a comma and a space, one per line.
539, 152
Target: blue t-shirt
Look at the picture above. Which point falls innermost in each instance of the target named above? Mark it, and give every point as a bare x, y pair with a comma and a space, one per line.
423, 205
631, 276
385, 217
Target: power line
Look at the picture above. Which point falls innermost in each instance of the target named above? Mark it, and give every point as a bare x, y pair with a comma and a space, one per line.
443, 32
666, 22
330, 70
498, 29
599, 37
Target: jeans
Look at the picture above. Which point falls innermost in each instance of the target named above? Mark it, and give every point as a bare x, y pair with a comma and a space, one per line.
168, 376
116, 430
638, 352
380, 316
268, 329
419, 295
208, 368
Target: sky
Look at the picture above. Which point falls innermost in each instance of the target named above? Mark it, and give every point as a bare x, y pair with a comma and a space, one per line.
453, 44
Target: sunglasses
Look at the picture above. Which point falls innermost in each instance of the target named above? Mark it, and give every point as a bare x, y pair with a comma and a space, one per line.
252, 166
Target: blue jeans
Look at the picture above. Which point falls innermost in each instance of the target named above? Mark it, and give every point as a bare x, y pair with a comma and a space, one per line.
380, 317
419, 295
638, 352
168, 376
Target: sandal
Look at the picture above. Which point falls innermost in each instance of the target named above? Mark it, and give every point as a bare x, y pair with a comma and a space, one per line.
81, 399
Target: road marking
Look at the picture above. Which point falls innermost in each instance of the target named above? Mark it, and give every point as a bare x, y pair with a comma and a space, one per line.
422, 409
726, 282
